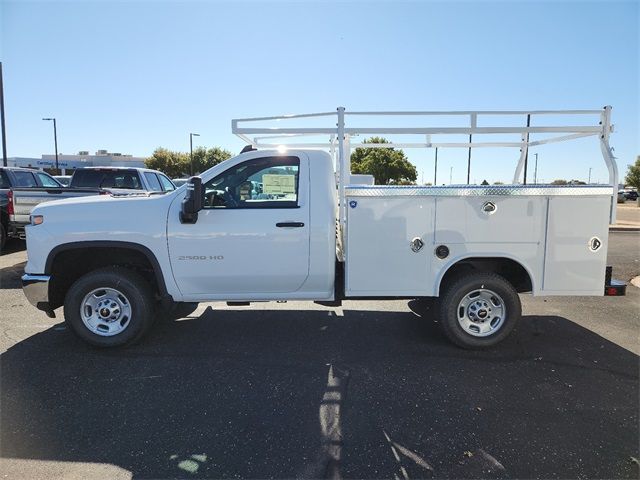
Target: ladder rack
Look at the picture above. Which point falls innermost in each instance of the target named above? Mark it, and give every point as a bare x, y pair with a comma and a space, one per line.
338, 137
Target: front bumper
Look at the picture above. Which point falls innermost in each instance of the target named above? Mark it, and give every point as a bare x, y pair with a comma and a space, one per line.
36, 289
16, 230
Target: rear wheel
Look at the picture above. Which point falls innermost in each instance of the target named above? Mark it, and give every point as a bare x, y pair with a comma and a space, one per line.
479, 310
109, 307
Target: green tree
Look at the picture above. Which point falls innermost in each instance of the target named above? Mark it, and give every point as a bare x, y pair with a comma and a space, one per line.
632, 178
387, 165
173, 164
178, 164
204, 159
559, 182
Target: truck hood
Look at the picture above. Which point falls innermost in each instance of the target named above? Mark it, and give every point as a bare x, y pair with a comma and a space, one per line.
140, 220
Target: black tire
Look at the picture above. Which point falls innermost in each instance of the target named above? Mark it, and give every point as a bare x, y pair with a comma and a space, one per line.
451, 307
137, 293
3, 237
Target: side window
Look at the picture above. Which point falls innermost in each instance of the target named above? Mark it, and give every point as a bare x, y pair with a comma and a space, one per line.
167, 184
47, 181
4, 180
126, 180
270, 182
24, 179
153, 182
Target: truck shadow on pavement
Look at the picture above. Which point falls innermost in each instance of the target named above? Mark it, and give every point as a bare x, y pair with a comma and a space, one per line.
10, 276
13, 246
281, 393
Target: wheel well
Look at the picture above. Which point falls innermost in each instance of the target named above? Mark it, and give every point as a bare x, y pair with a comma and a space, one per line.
511, 270
70, 264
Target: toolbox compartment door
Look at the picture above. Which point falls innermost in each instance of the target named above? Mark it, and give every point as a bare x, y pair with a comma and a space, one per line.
576, 245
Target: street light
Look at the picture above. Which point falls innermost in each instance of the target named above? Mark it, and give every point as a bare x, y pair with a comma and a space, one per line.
451, 176
589, 181
4, 133
55, 138
535, 171
191, 135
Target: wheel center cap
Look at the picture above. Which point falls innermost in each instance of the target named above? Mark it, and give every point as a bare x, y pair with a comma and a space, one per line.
482, 313
105, 312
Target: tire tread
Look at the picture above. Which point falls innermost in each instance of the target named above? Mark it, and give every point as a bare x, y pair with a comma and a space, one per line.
448, 316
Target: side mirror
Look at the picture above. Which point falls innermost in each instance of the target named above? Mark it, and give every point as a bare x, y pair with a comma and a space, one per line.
192, 202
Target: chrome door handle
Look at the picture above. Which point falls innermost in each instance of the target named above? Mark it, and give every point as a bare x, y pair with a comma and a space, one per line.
290, 224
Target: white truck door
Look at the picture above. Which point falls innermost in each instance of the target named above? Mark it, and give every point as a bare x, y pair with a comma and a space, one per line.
251, 239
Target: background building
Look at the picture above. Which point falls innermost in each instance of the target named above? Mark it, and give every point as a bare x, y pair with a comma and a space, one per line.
68, 163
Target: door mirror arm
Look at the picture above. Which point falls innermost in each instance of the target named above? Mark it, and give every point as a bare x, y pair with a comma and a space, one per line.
192, 202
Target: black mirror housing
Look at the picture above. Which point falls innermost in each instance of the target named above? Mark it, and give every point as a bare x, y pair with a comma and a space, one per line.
192, 202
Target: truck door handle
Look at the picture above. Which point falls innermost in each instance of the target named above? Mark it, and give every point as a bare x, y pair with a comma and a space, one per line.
290, 224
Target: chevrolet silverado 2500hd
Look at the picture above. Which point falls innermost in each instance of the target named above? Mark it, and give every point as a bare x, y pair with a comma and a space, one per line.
273, 225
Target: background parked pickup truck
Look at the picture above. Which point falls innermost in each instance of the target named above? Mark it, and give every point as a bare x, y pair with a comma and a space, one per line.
21, 189
121, 180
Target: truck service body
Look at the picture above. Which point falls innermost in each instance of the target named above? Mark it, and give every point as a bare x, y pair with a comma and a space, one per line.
274, 225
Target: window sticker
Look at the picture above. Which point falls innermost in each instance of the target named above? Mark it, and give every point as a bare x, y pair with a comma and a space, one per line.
278, 184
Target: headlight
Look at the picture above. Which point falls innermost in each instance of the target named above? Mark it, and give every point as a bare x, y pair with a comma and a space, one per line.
37, 219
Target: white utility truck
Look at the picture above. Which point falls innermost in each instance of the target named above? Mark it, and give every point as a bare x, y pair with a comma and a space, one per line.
273, 224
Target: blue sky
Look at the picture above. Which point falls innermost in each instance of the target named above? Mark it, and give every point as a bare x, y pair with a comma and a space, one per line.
132, 76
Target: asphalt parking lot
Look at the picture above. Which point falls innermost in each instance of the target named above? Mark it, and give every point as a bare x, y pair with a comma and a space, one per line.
369, 390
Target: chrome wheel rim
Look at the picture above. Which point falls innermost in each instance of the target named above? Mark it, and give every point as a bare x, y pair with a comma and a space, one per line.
105, 311
481, 312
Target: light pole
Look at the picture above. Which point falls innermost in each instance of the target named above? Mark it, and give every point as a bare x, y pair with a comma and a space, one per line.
435, 172
4, 134
191, 135
589, 181
450, 175
55, 138
535, 171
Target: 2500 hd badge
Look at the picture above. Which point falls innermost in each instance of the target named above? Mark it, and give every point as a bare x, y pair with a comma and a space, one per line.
200, 257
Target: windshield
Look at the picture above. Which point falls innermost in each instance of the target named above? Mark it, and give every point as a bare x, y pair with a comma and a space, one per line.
124, 179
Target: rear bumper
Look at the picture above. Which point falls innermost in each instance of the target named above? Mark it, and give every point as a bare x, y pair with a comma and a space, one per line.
36, 289
613, 288
16, 230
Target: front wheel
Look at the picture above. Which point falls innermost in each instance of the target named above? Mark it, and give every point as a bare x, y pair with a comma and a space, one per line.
109, 307
479, 310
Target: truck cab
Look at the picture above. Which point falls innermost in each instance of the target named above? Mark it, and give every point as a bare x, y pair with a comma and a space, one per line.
272, 242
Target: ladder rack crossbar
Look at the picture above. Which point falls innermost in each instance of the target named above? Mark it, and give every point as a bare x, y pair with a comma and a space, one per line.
426, 130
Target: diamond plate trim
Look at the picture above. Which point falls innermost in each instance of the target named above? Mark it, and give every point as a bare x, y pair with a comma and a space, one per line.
477, 191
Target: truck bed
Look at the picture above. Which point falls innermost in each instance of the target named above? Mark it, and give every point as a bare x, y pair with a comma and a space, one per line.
25, 199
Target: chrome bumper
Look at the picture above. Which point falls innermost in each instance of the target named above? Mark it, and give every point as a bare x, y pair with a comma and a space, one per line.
36, 289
